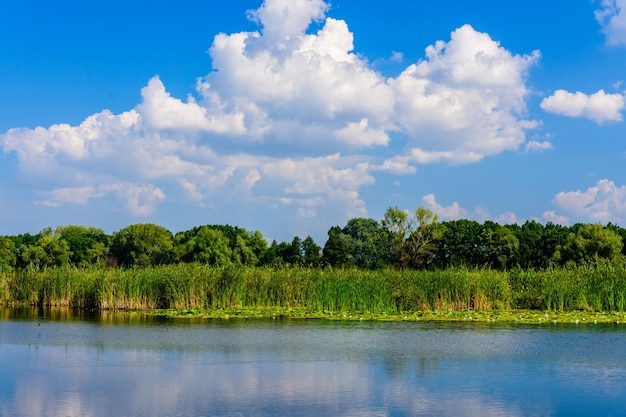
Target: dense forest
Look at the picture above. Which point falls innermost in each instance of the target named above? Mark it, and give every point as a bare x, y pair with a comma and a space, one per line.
400, 239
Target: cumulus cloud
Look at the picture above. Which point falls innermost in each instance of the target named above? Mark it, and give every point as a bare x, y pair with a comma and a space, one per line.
466, 100
285, 118
604, 202
452, 212
599, 106
314, 89
612, 19
161, 111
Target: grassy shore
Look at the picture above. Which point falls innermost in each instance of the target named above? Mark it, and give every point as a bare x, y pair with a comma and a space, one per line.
587, 293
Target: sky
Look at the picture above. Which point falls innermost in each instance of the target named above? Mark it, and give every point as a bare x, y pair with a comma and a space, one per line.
292, 116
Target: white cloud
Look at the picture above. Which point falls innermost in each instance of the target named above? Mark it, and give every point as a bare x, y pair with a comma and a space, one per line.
455, 212
452, 212
555, 218
604, 202
140, 200
282, 91
506, 218
396, 165
315, 83
599, 106
74, 195
426, 157
396, 56
359, 134
161, 111
285, 20
536, 146
612, 19
465, 100
317, 175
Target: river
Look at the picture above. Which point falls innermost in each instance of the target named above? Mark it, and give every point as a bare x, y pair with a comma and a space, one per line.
64, 364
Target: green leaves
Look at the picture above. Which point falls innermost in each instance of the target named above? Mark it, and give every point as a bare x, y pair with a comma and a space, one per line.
413, 237
143, 245
588, 242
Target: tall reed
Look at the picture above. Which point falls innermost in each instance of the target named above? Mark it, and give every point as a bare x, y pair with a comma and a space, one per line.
594, 286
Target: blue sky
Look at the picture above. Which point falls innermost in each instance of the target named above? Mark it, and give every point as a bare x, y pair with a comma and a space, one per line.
291, 116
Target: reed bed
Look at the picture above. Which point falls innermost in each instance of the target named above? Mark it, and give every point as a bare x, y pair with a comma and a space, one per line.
598, 286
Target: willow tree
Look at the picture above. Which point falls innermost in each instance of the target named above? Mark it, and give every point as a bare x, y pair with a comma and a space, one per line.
414, 237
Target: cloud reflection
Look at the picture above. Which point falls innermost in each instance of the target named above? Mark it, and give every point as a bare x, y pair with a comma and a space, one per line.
304, 369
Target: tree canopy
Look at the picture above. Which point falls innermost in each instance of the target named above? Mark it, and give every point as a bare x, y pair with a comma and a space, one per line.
401, 239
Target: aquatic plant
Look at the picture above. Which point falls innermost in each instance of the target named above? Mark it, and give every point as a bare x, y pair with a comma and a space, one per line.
592, 286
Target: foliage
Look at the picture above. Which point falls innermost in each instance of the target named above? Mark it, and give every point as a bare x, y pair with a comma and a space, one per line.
339, 249
405, 240
247, 248
311, 256
48, 251
414, 238
202, 244
88, 245
7, 254
500, 244
143, 245
460, 245
590, 241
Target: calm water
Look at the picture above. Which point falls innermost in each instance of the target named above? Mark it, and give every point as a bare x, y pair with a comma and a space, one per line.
56, 364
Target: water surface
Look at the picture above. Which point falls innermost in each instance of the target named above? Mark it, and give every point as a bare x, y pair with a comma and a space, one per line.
60, 364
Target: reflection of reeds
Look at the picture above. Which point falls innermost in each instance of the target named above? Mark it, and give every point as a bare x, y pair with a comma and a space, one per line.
599, 286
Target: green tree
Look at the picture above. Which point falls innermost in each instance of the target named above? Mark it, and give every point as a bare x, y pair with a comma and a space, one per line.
89, 245
143, 245
293, 255
398, 223
248, 248
49, 251
414, 238
338, 249
460, 244
530, 253
371, 242
588, 242
243, 254
423, 239
7, 254
22, 242
202, 244
621, 232
311, 252
500, 244
276, 254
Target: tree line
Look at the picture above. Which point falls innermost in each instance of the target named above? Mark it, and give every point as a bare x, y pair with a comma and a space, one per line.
400, 239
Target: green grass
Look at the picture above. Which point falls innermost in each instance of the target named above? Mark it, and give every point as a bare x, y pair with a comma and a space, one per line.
594, 287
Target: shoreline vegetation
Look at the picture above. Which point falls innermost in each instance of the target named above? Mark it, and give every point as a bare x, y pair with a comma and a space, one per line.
406, 266
592, 292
